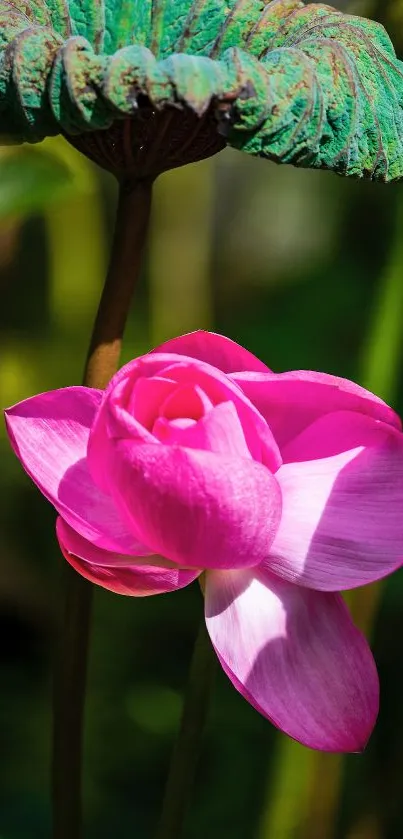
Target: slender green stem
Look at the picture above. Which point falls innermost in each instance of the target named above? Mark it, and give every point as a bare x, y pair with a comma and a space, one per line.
186, 751
102, 362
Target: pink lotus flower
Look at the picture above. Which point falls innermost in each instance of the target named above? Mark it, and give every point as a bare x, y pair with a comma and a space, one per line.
284, 488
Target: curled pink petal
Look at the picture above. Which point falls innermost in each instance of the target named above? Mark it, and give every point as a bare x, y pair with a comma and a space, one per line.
145, 397
220, 431
186, 401
114, 421
342, 522
197, 508
215, 349
111, 422
219, 388
86, 550
291, 401
296, 656
49, 434
114, 572
336, 433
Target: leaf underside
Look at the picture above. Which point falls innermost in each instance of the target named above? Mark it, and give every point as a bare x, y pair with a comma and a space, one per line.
295, 83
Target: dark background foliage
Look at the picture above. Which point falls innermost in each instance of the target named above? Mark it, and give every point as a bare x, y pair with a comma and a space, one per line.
306, 270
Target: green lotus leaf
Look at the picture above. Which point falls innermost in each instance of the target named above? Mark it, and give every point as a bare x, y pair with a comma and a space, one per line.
146, 85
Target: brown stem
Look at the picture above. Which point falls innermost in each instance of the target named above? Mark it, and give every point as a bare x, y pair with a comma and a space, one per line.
127, 249
102, 362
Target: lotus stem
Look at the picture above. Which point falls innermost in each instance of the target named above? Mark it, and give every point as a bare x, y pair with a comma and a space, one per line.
102, 362
186, 750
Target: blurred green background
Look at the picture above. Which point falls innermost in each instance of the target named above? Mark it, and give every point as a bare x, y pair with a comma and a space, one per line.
306, 270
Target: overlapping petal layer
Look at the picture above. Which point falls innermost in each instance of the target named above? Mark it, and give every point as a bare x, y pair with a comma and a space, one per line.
119, 573
220, 431
342, 494
49, 433
124, 408
296, 656
292, 401
217, 350
195, 507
